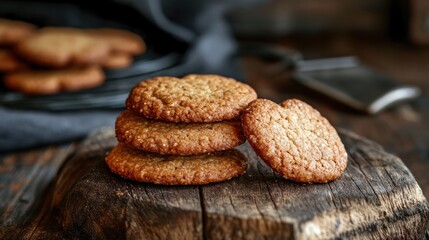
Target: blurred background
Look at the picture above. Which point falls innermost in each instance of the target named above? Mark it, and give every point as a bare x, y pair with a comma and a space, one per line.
396, 19
260, 42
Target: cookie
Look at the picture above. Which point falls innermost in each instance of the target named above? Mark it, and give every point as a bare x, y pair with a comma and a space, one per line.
53, 81
177, 138
117, 60
140, 166
9, 62
122, 41
193, 98
60, 47
294, 140
12, 31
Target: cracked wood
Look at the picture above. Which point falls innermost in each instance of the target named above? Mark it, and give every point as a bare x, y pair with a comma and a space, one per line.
377, 197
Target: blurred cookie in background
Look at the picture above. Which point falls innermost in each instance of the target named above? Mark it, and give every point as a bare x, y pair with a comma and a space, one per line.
117, 60
121, 41
10, 62
12, 31
61, 47
40, 82
55, 59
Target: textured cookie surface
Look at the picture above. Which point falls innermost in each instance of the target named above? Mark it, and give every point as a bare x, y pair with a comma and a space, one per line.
122, 41
193, 98
175, 170
177, 138
9, 62
294, 140
54, 81
12, 31
59, 47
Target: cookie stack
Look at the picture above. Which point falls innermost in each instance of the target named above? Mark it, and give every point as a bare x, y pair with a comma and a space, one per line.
50, 60
181, 131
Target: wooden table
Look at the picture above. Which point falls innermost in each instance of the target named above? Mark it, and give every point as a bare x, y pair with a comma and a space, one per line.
26, 177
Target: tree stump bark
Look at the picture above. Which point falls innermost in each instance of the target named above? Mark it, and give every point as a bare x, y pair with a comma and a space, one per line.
376, 198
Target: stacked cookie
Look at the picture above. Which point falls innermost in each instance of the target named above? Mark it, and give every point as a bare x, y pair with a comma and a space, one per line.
51, 60
181, 131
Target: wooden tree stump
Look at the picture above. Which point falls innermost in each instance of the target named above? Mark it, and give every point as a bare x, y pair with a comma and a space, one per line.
376, 198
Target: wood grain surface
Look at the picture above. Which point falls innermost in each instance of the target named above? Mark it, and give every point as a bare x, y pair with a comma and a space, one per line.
377, 197
26, 177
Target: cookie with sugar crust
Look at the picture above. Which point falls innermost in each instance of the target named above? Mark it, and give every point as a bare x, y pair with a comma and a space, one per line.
294, 140
193, 98
177, 138
137, 165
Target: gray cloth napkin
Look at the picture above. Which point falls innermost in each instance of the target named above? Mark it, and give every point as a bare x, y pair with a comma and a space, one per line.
22, 129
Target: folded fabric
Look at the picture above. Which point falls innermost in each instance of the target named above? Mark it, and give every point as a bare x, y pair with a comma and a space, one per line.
20, 129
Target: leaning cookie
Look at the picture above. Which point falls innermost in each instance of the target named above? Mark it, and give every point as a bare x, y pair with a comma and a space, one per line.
42, 82
140, 166
294, 140
193, 98
177, 138
12, 31
60, 47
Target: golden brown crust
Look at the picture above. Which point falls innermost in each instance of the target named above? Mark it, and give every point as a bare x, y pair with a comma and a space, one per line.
12, 31
122, 41
140, 166
117, 60
53, 81
60, 47
9, 62
294, 140
193, 98
177, 138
